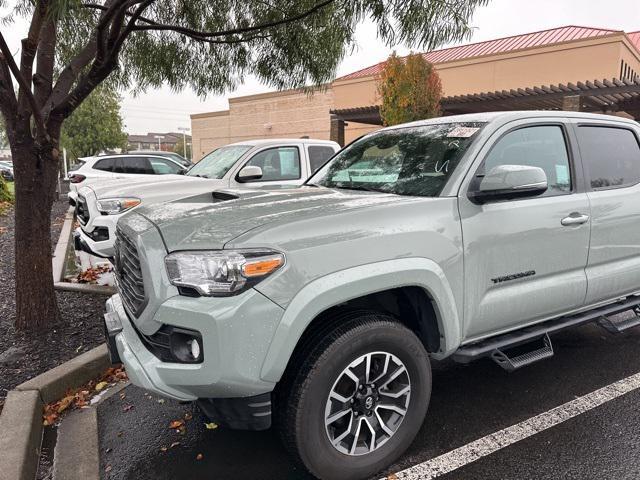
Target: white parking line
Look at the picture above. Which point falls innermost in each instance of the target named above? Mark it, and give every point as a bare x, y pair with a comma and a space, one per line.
493, 442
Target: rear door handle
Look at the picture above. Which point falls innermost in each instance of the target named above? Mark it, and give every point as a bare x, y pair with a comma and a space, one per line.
574, 219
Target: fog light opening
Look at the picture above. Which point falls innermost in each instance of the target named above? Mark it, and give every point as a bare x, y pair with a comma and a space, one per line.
194, 347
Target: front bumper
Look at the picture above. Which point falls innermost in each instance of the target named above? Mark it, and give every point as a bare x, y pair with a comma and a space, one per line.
236, 335
83, 243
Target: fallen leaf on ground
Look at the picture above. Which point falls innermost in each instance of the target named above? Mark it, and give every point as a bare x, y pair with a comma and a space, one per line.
80, 397
211, 426
176, 424
126, 408
107, 469
188, 416
199, 456
64, 403
163, 449
174, 444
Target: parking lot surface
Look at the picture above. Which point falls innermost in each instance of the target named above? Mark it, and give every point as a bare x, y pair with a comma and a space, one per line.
468, 403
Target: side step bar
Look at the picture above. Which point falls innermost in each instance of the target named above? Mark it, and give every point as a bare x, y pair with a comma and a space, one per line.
622, 321
522, 360
498, 344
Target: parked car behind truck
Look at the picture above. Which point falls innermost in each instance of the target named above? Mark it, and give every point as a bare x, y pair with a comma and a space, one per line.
321, 308
252, 163
121, 168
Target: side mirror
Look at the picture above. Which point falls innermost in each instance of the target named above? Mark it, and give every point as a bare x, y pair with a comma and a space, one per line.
509, 181
250, 172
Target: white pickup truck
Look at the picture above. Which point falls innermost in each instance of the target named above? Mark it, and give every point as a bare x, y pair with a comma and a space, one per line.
247, 164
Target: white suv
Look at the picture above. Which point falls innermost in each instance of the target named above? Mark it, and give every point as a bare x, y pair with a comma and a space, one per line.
123, 167
255, 163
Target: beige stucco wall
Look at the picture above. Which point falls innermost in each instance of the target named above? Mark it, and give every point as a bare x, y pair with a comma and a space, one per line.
294, 113
290, 114
209, 131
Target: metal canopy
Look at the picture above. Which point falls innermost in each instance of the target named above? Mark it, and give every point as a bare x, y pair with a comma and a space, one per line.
597, 96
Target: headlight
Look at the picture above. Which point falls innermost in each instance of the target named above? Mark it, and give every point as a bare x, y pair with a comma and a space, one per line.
113, 206
220, 273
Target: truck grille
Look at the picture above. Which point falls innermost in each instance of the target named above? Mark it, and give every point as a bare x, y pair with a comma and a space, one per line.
82, 211
129, 274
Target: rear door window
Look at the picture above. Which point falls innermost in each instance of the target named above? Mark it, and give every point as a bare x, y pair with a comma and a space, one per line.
318, 156
611, 156
105, 165
137, 166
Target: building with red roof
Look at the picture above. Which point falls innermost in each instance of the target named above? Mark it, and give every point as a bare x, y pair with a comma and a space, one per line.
547, 62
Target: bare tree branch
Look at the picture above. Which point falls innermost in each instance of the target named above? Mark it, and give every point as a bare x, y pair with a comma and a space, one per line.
100, 71
109, 10
24, 87
8, 100
128, 14
29, 47
96, 48
235, 31
46, 53
69, 75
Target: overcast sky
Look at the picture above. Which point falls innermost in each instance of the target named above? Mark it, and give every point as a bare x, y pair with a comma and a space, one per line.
164, 110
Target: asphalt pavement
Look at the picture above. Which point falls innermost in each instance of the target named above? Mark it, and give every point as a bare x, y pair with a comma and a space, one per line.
468, 402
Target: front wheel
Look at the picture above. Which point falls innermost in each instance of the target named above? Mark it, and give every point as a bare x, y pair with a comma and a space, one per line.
358, 399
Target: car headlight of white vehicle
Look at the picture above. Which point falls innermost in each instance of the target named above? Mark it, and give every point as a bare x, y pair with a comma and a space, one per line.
219, 273
114, 206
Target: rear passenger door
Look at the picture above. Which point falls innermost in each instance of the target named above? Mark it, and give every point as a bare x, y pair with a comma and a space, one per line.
611, 158
522, 264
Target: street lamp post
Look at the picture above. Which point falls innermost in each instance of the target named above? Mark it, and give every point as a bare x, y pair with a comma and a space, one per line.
184, 131
159, 137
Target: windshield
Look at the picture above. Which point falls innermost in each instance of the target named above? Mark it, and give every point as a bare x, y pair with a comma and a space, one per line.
217, 163
415, 161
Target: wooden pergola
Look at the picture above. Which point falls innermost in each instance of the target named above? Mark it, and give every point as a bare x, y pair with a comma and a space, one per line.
606, 96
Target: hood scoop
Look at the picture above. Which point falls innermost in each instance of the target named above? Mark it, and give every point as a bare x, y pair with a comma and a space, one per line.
215, 196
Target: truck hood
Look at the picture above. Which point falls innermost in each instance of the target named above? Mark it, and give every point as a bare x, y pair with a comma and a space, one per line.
211, 220
158, 191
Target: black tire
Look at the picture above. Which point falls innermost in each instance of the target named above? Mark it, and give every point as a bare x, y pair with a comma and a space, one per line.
304, 394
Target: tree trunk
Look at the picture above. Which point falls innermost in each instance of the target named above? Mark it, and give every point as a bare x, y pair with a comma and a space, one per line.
36, 176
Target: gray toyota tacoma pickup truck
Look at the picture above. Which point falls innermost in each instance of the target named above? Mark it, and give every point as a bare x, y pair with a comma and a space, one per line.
318, 309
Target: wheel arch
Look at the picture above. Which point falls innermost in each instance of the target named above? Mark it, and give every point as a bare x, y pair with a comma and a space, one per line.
420, 280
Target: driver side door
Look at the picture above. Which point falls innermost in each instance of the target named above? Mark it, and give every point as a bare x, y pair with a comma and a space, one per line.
522, 265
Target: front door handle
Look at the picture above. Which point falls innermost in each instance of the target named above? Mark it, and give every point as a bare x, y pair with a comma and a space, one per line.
574, 219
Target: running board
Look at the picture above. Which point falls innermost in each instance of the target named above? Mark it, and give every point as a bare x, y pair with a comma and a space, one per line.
523, 359
483, 348
622, 321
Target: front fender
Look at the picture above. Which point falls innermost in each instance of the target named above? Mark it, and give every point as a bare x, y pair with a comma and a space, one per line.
339, 287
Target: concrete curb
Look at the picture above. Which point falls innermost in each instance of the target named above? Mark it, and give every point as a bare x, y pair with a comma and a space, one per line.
53, 383
20, 435
77, 456
85, 288
21, 419
60, 252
